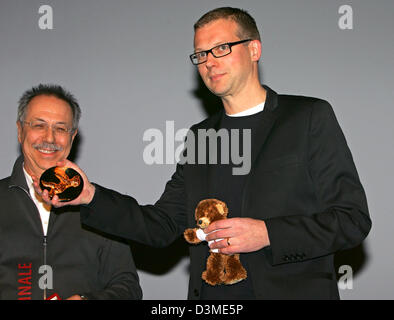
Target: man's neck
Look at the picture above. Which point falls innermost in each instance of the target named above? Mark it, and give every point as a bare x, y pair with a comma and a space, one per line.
244, 101
32, 172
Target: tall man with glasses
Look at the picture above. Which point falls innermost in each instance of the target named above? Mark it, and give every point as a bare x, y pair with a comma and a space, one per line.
299, 204
44, 251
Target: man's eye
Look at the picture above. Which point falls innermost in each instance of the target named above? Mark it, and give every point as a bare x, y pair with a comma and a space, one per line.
61, 129
223, 47
38, 126
201, 54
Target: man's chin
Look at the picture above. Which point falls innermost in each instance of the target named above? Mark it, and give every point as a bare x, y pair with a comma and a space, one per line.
218, 90
217, 93
45, 165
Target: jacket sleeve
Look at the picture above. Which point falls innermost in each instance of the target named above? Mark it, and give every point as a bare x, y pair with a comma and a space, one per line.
117, 274
343, 221
156, 225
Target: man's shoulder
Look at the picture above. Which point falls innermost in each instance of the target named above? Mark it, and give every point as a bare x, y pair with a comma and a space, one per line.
308, 106
5, 196
4, 183
300, 100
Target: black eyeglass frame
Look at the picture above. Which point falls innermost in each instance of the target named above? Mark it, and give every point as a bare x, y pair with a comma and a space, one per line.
230, 44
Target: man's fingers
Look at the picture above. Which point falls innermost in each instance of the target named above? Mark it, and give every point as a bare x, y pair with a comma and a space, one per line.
45, 195
229, 250
75, 297
219, 224
219, 244
243, 235
36, 185
224, 247
67, 163
220, 234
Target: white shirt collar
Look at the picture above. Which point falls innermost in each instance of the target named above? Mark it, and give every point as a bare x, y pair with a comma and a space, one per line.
249, 112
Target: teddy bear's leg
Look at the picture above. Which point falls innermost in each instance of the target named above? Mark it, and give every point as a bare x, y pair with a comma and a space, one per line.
235, 272
215, 269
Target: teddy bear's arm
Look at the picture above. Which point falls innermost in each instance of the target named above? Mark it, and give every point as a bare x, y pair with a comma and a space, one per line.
191, 236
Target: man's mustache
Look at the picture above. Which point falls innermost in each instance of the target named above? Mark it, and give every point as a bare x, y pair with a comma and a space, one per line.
48, 146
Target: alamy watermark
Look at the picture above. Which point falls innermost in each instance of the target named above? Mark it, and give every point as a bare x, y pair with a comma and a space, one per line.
206, 146
345, 21
45, 21
345, 282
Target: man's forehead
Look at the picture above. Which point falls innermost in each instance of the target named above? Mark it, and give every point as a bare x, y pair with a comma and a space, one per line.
214, 33
50, 106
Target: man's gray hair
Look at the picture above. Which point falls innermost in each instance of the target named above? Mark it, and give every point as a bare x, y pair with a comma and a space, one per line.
49, 90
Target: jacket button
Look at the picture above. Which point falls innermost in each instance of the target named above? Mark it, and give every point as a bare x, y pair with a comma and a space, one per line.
196, 293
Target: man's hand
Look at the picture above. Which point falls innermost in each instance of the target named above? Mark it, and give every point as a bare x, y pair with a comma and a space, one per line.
75, 297
85, 197
239, 234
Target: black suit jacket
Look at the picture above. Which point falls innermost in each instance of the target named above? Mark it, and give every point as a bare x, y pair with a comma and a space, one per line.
302, 183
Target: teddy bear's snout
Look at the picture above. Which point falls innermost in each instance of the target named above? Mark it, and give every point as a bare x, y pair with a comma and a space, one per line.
203, 222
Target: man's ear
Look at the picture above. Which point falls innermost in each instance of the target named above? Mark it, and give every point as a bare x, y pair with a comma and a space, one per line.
255, 50
222, 208
74, 135
20, 129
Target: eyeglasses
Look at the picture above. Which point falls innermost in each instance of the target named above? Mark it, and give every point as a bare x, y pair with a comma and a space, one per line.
219, 51
42, 127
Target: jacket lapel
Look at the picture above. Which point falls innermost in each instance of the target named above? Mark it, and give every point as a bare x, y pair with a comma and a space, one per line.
18, 180
270, 114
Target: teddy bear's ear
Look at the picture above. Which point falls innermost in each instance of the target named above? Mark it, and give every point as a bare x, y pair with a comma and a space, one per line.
222, 208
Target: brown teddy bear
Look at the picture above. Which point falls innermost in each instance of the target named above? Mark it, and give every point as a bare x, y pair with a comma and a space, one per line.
221, 268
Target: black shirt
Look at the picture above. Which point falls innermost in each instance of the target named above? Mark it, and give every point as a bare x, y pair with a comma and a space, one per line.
227, 187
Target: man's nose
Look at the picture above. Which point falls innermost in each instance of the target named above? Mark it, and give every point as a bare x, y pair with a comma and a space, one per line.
211, 60
50, 134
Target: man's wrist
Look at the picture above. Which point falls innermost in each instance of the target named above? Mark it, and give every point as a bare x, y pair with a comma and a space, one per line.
90, 194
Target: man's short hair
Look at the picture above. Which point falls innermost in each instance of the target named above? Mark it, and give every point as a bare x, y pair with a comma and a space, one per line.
247, 28
49, 90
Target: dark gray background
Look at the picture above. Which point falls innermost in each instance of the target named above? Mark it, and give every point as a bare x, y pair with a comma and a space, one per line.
127, 63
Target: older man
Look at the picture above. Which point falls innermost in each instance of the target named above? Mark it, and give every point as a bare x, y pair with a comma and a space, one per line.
300, 203
44, 251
